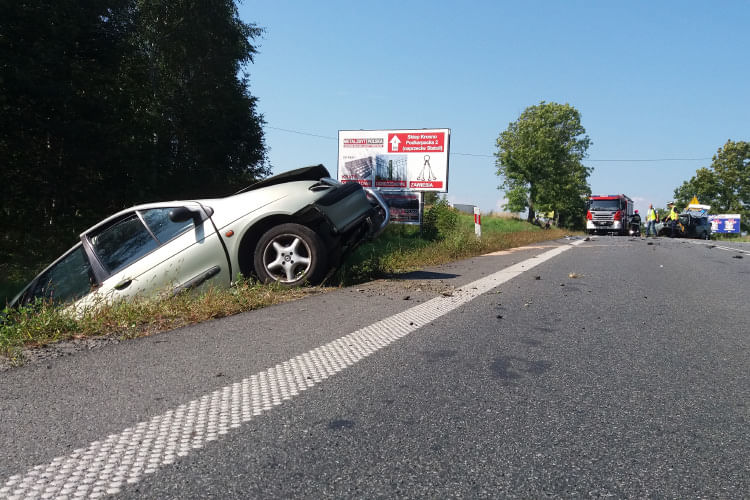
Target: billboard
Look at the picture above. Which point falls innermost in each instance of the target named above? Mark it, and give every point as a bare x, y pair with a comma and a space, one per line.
725, 223
405, 206
412, 160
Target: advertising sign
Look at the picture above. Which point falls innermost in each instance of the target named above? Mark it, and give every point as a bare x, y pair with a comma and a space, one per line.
413, 160
725, 223
404, 206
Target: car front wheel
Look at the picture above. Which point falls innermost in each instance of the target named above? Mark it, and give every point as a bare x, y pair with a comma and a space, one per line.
290, 254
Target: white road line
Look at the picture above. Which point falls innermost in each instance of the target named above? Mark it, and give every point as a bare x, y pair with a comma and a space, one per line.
720, 247
104, 467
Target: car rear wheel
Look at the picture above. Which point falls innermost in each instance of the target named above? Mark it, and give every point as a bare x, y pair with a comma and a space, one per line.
290, 254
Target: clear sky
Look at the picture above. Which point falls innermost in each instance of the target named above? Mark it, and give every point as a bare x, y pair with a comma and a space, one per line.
652, 79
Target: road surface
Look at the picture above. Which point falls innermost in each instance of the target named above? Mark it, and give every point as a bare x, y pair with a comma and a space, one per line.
610, 367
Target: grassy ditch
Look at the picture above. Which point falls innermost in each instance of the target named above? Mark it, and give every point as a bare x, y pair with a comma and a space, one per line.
734, 238
399, 249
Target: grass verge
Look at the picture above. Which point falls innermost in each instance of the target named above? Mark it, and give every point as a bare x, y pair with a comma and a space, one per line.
399, 249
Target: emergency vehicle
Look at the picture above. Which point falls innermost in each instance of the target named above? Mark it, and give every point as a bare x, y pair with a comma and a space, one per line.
608, 214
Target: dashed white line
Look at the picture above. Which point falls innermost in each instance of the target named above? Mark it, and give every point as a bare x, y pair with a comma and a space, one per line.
104, 467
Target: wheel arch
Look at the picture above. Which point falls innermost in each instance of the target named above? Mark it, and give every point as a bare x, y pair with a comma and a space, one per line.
246, 250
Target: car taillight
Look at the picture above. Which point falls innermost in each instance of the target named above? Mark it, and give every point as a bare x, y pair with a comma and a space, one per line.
588, 215
618, 215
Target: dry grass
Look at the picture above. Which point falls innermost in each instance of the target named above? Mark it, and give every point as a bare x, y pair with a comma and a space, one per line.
400, 249
44, 323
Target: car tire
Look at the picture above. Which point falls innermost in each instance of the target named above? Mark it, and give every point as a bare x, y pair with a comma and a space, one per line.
291, 255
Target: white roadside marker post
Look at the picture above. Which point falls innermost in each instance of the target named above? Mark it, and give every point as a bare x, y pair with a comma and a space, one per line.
477, 222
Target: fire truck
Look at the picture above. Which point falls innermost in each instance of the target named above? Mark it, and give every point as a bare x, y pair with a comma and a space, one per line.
609, 214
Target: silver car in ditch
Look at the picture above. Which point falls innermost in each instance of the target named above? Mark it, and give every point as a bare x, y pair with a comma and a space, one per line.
292, 228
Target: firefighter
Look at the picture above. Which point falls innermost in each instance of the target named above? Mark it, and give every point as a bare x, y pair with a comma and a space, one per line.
672, 217
650, 220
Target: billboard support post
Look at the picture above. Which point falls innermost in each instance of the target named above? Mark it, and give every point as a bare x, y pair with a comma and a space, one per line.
421, 211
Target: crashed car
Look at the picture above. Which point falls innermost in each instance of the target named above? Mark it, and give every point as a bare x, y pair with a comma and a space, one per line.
689, 225
292, 228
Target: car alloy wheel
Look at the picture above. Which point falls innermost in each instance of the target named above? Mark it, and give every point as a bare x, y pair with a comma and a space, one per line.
290, 254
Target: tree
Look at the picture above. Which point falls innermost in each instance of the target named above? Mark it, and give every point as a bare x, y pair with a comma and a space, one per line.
108, 104
431, 198
725, 185
539, 157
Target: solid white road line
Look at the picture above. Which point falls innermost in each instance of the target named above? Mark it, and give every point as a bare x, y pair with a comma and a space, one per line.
720, 247
104, 467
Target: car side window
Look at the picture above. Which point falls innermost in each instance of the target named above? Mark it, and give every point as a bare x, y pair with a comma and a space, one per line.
122, 243
158, 221
68, 279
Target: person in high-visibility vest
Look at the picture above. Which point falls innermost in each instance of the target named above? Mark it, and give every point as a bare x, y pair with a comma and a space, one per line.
650, 220
672, 218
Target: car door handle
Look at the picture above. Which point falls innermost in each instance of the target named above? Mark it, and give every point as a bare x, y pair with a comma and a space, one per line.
123, 284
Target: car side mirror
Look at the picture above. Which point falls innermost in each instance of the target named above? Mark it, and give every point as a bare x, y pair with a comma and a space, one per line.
184, 214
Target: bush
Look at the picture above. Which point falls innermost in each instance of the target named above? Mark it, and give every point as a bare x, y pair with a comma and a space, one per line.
440, 220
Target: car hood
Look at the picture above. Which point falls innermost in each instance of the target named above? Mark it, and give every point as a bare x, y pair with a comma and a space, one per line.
287, 198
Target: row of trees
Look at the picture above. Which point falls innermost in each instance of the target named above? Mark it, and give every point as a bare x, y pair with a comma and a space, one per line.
539, 157
107, 104
725, 185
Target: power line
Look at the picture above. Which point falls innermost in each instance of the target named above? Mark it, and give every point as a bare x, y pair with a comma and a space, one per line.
656, 159
493, 156
472, 154
302, 133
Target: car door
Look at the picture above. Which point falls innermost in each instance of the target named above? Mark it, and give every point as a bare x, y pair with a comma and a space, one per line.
143, 252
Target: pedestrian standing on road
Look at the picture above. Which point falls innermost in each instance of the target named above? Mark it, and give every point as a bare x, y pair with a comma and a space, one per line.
650, 220
672, 218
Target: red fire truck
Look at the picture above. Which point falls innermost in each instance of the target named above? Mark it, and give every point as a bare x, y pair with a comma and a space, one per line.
609, 214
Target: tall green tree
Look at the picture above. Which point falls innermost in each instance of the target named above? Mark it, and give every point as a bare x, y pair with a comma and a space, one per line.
539, 156
107, 104
725, 185
60, 65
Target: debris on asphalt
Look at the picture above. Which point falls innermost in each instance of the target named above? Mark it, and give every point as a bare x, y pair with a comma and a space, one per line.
407, 297
575, 275
736, 256
537, 277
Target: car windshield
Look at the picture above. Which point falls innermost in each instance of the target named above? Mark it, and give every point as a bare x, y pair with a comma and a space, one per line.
68, 279
605, 205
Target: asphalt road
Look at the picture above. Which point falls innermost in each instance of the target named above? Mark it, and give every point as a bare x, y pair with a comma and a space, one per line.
615, 367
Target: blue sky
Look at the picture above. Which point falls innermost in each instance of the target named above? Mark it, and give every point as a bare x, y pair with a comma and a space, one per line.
652, 80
